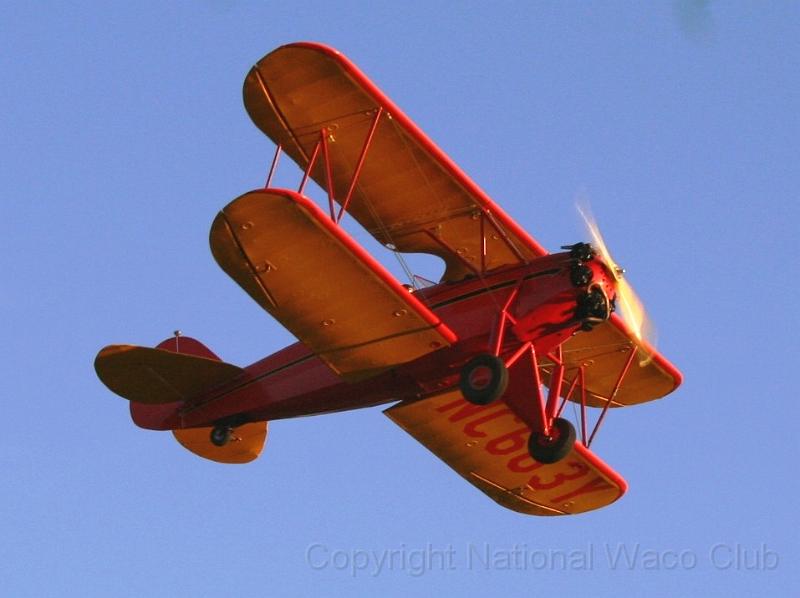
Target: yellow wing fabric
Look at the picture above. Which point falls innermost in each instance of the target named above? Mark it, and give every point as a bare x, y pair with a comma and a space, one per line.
487, 445
319, 283
409, 194
603, 353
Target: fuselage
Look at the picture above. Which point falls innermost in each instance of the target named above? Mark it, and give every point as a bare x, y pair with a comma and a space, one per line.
294, 382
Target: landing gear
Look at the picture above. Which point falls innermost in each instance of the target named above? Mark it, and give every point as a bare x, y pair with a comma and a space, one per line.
221, 435
556, 446
483, 379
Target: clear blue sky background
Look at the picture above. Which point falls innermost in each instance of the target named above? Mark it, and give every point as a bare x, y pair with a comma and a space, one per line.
123, 134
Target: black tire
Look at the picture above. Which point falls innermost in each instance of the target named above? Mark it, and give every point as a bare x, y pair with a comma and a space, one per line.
483, 379
220, 435
554, 448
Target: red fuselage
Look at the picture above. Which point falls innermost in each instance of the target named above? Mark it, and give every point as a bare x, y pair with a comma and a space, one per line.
294, 382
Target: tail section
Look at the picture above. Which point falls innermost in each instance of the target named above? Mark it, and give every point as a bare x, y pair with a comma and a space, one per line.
165, 416
159, 381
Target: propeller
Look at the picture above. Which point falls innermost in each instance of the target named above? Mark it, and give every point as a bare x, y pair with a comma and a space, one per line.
628, 302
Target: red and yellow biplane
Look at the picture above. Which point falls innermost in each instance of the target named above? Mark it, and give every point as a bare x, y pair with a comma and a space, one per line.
480, 365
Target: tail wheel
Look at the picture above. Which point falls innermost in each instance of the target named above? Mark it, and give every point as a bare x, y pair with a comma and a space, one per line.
556, 446
483, 379
220, 435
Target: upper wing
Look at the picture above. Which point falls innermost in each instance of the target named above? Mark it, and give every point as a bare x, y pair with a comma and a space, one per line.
408, 194
487, 445
319, 283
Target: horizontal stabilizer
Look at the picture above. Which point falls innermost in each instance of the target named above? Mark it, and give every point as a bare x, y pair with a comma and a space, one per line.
488, 446
246, 443
158, 376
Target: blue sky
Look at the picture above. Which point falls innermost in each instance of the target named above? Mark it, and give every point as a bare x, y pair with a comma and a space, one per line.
124, 133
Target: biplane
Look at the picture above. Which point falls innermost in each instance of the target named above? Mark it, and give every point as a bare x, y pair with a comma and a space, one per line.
479, 367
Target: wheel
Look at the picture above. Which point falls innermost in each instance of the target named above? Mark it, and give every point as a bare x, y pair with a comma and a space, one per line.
553, 448
483, 379
220, 435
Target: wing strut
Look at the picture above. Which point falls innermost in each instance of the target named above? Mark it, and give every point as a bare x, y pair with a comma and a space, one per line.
274, 166
360, 164
611, 396
326, 135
